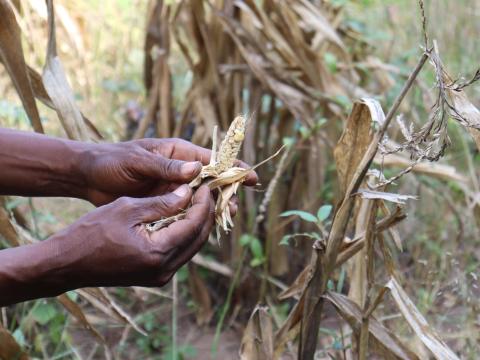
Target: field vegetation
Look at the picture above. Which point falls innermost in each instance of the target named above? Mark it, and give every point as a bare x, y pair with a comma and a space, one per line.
362, 239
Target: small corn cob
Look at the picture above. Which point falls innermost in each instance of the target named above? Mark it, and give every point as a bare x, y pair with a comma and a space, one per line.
230, 146
224, 176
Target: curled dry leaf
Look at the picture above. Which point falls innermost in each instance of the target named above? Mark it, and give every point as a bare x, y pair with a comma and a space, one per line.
257, 340
395, 198
41, 94
298, 285
355, 139
78, 314
463, 108
58, 89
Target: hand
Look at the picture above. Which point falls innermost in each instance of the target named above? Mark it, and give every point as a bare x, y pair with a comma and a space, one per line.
143, 167
111, 247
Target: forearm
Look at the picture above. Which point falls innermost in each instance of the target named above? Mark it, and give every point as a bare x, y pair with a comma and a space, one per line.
32, 271
38, 165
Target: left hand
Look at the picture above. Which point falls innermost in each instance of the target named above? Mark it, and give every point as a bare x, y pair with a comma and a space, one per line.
145, 167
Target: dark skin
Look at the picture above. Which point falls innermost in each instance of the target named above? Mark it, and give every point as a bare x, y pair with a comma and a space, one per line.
133, 183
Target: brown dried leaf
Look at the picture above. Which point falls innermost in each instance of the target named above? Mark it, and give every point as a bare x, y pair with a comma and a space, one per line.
257, 340
298, 285
78, 314
11, 55
42, 95
101, 300
382, 340
386, 196
200, 295
313, 19
355, 139
465, 109
7, 230
297, 101
417, 322
212, 265
357, 273
58, 89
9, 348
290, 328
397, 216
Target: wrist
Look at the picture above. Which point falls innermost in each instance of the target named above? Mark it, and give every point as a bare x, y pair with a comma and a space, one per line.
71, 172
83, 158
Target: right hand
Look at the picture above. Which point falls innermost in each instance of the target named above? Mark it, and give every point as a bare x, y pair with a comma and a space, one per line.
111, 247
142, 168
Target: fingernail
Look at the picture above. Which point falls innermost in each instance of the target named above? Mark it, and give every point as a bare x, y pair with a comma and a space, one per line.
190, 168
182, 190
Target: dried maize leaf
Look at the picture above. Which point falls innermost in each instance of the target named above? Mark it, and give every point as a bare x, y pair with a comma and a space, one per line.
355, 140
257, 340
383, 341
419, 325
12, 57
9, 348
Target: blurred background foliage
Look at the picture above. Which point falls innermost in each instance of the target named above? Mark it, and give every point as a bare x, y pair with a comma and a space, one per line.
116, 54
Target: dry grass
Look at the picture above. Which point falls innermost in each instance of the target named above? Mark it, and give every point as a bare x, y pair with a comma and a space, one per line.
297, 68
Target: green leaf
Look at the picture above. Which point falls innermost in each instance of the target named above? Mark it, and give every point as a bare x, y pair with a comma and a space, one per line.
302, 214
19, 337
245, 239
43, 313
304, 132
330, 61
256, 248
288, 141
324, 212
182, 274
257, 261
16, 202
72, 295
330, 285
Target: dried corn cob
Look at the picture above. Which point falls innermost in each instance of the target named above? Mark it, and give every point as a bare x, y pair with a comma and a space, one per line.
230, 146
225, 157
225, 177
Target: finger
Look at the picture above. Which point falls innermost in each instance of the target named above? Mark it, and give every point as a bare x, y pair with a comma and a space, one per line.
252, 177
154, 208
172, 169
194, 247
183, 232
184, 150
233, 205
179, 149
163, 188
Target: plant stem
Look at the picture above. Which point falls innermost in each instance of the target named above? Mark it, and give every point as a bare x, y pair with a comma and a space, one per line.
174, 317
226, 306
324, 263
